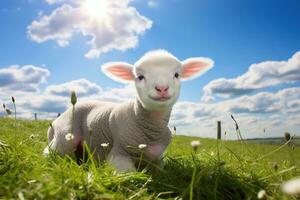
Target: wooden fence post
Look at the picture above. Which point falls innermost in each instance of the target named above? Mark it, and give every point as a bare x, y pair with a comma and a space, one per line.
219, 130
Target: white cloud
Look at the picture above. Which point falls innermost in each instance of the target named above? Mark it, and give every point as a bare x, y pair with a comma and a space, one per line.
54, 1
44, 103
276, 112
261, 75
25, 78
56, 98
109, 24
23, 82
118, 94
82, 87
152, 4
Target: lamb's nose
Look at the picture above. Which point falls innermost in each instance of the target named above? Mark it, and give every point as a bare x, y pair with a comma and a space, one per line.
162, 89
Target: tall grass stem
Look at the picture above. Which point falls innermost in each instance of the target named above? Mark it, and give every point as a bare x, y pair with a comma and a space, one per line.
193, 178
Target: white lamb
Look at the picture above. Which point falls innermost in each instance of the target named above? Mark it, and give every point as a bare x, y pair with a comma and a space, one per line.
125, 126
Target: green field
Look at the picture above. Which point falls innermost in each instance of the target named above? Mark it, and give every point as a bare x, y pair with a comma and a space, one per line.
222, 170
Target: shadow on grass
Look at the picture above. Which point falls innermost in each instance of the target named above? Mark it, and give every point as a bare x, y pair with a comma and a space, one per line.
212, 181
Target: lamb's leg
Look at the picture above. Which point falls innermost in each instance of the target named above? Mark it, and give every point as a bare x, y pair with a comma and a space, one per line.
59, 143
50, 133
122, 163
61, 127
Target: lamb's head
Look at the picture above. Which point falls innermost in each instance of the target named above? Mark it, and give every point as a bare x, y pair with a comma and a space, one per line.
157, 76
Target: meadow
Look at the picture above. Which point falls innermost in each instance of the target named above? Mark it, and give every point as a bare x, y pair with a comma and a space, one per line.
216, 170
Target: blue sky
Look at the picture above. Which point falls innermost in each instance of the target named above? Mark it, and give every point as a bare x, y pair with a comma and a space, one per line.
235, 34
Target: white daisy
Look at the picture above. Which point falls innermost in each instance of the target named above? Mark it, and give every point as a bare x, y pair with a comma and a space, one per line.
104, 145
142, 146
261, 194
291, 187
69, 136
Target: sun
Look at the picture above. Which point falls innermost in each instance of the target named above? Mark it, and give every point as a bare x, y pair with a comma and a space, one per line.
94, 8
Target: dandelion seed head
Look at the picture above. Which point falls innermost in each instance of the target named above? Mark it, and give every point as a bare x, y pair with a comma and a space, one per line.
195, 144
69, 136
291, 187
8, 111
73, 98
261, 194
142, 146
287, 136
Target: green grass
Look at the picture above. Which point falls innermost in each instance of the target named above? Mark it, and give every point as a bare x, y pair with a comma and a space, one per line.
223, 170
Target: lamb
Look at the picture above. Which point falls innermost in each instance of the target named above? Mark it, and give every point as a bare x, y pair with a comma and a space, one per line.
156, 77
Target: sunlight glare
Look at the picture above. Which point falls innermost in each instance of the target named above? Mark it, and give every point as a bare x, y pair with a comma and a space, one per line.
94, 8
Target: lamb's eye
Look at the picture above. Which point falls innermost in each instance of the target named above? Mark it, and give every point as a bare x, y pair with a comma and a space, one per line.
141, 77
176, 75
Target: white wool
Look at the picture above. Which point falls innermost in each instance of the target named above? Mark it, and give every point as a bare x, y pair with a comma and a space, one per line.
128, 126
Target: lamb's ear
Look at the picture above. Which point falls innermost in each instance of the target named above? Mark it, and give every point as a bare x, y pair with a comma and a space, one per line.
194, 67
118, 71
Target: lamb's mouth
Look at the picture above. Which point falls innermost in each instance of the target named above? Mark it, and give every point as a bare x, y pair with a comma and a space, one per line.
161, 99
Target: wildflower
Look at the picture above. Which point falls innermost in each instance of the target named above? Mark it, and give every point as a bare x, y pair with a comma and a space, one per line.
90, 177
262, 194
69, 136
14, 102
8, 111
212, 153
104, 145
142, 146
291, 187
73, 98
287, 136
195, 144
236, 124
